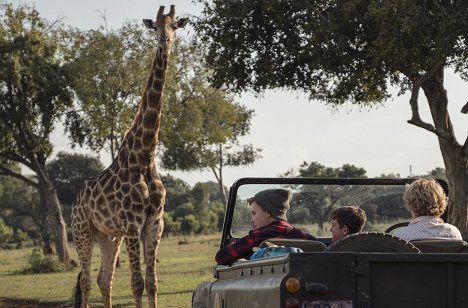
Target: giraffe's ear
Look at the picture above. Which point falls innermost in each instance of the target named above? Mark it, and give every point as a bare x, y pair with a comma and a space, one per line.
182, 22
149, 23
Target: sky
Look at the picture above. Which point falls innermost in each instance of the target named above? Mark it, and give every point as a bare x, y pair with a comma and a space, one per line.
288, 127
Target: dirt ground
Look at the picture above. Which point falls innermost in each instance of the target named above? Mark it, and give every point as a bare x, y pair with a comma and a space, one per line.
17, 303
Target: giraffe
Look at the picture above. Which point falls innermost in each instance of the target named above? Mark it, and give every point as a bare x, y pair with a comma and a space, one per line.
125, 201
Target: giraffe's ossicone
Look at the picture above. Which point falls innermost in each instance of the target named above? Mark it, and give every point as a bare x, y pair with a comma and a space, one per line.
125, 201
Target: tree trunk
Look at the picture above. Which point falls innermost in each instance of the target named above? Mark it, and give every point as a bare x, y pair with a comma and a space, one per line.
455, 155
56, 220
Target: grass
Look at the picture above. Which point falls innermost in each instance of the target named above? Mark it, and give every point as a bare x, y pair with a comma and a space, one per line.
184, 262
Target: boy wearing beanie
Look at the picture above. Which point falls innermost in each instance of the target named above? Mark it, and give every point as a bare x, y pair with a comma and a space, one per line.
269, 208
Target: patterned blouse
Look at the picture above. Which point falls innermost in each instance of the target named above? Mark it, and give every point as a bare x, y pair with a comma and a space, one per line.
242, 248
428, 227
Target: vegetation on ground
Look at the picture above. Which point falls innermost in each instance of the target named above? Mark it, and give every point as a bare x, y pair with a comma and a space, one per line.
184, 262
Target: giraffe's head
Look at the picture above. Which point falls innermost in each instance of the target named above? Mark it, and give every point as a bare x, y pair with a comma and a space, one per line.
165, 27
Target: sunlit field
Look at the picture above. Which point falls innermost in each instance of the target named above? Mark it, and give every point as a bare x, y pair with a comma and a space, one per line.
183, 263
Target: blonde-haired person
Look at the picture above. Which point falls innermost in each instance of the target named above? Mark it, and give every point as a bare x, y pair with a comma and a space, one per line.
426, 201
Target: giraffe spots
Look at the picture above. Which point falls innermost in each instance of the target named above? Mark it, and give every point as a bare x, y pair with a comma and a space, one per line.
138, 207
157, 84
130, 140
132, 158
135, 195
139, 131
116, 222
95, 194
87, 195
125, 188
153, 96
119, 195
122, 157
139, 220
97, 216
130, 216
123, 175
150, 114
159, 62
127, 203
109, 186
104, 176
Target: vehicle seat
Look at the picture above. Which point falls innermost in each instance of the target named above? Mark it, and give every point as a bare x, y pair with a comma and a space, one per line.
305, 245
441, 245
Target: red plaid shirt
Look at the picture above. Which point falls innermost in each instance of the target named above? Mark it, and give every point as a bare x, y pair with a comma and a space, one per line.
242, 248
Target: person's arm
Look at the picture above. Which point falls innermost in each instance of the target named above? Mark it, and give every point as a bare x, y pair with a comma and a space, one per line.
234, 251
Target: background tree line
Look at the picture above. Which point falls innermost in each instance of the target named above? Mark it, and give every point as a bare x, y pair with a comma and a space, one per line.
188, 210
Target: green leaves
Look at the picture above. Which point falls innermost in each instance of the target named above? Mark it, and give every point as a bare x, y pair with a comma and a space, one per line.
34, 89
201, 125
109, 73
333, 50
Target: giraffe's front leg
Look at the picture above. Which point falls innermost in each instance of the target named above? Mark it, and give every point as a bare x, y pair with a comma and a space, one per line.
132, 241
152, 236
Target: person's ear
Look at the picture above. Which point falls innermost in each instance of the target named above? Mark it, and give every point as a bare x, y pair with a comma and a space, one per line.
345, 230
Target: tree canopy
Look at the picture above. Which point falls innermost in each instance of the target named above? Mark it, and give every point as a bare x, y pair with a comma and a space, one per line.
109, 70
202, 126
333, 50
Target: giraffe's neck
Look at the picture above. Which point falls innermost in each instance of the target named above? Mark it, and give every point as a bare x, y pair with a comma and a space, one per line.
141, 139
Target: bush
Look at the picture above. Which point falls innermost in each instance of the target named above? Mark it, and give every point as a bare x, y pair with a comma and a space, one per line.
170, 226
189, 224
40, 264
6, 234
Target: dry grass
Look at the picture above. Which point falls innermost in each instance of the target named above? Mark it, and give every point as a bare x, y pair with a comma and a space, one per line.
183, 263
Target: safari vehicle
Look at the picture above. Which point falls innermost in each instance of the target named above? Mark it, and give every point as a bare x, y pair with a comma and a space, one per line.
369, 269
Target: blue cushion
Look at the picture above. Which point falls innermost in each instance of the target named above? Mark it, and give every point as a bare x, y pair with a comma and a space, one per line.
273, 252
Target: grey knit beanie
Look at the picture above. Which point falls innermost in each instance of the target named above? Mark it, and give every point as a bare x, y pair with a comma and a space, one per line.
273, 201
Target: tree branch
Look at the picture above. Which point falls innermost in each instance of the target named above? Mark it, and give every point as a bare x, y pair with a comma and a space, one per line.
9, 172
416, 118
465, 108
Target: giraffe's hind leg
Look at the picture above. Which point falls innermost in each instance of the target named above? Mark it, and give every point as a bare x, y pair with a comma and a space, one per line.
152, 233
132, 241
83, 239
109, 251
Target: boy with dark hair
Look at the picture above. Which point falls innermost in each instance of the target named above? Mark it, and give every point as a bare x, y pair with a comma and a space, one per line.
346, 220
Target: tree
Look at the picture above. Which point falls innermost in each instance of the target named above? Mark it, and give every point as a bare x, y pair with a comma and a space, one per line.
110, 69
178, 192
34, 95
68, 173
202, 125
340, 51
20, 207
319, 201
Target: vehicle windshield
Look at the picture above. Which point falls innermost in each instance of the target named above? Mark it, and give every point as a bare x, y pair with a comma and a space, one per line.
312, 203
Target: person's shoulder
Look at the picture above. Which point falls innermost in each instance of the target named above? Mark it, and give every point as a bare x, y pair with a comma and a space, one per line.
454, 230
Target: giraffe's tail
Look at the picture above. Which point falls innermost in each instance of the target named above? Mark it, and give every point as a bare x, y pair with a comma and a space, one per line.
77, 293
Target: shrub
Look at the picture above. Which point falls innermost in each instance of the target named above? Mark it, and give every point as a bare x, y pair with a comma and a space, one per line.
170, 226
189, 224
39, 263
6, 233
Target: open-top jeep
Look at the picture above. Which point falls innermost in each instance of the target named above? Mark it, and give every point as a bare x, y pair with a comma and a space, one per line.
368, 269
